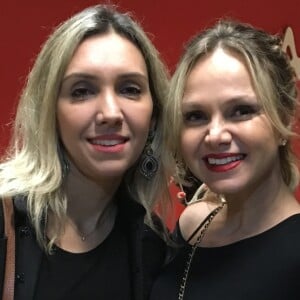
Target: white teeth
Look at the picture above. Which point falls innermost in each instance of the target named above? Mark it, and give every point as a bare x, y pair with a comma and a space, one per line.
224, 161
106, 143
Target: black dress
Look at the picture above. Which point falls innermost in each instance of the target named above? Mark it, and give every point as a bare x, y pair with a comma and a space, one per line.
263, 267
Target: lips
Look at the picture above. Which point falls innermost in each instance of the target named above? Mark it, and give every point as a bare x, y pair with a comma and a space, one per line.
108, 143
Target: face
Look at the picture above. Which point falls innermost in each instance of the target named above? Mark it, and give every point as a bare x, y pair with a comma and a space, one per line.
227, 141
104, 108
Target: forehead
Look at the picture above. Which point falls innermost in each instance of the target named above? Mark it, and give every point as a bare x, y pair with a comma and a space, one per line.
221, 65
219, 61
219, 75
109, 50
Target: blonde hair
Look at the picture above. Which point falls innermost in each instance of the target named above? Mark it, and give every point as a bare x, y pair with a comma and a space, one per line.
32, 166
273, 80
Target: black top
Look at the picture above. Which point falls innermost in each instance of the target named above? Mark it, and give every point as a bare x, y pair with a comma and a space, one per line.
263, 267
137, 258
102, 273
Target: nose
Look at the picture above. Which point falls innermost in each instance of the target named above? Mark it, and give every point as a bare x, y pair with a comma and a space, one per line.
108, 109
218, 134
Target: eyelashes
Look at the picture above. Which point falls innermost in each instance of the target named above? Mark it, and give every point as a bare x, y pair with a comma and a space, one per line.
245, 111
82, 93
84, 90
194, 116
132, 91
236, 113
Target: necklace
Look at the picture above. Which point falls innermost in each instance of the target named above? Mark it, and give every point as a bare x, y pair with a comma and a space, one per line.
203, 227
84, 236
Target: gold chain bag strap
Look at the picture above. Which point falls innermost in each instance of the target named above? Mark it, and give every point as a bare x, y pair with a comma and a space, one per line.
203, 228
9, 230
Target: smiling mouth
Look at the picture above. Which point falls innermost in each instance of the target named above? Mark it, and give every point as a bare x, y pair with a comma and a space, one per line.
224, 161
109, 146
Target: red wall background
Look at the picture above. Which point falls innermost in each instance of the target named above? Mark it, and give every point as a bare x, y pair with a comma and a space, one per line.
24, 25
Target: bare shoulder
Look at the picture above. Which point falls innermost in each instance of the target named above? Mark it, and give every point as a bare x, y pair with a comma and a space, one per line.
194, 214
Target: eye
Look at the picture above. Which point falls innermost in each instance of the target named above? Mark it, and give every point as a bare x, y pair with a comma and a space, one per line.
81, 93
132, 91
82, 90
194, 117
244, 111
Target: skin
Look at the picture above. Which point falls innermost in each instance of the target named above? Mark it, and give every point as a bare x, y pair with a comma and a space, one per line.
228, 142
104, 112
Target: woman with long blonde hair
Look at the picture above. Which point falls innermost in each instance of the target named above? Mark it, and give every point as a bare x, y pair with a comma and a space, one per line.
84, 166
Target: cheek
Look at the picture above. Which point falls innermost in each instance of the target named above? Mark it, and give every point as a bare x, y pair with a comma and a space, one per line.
183, 146
260, 138
69, 121
188, 145
64, 122
140, 117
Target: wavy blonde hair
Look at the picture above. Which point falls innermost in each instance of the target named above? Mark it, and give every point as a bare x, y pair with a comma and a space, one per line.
32, 166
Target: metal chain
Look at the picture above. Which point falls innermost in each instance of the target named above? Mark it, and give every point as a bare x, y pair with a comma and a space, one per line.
194, 248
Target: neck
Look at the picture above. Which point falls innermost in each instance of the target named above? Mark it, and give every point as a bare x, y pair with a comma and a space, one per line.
87, 199
91, 212
246, 216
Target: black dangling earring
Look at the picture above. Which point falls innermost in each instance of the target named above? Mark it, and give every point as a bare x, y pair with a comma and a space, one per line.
148, 163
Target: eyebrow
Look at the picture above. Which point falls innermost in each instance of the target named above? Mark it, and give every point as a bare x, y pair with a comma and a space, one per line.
238, 98
87, 76
243, 98
79, 75
135, 75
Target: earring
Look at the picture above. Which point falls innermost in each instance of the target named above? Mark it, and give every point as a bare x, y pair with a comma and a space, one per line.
148, 163
283, 142
190, 188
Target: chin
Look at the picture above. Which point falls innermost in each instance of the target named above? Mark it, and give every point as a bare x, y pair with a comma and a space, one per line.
110, 173
106, 174
225, 188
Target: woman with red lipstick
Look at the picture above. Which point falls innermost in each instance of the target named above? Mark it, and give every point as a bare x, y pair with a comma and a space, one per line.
84, 171
229, 120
